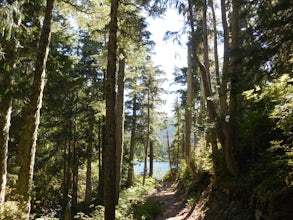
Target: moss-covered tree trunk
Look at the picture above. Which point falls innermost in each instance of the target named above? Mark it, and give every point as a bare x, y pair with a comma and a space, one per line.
31, 114
110, 145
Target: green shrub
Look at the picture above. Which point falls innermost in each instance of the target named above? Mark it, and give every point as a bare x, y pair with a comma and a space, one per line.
11, 210
148, 210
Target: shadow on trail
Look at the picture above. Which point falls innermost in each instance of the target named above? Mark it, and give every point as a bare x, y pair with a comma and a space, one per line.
170, 202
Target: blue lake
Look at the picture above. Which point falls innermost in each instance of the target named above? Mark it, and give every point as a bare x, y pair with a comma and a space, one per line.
160, 169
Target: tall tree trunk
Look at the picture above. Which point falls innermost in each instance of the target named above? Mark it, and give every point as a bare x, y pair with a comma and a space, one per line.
147, 143
169, 149
31, 114
110, 145
179, 137
223, 87
216, 54
230, 149
151, 159
188, 116
132, 143
120, 119
204, 77
65, 174
102, 136
88, 186
145, 165
67, 182
74, 168
205, 43
6, 69
5, 117
211, 133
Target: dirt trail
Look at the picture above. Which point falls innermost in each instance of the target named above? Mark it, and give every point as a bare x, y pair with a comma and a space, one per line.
207, 206
173, 206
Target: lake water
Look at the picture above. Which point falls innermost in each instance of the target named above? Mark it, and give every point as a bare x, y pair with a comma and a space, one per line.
160, 169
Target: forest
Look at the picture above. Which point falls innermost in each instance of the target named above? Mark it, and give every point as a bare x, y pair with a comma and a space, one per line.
81, 103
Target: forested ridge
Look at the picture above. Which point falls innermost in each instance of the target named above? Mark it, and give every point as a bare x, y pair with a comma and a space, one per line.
81, 103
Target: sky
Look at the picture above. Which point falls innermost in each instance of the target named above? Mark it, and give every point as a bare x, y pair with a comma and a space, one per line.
167, 53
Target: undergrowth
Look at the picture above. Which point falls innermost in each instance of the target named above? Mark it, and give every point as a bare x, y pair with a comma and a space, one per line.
133, 203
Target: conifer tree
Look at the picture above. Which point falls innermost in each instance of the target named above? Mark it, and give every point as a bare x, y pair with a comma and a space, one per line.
27, 145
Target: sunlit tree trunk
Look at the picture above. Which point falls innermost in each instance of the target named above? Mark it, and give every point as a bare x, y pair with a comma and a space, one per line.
188, 117
5, 117
31, 114
120, 119
101, 165
204, 76
132, 143
110, 181
211, 132
6, 70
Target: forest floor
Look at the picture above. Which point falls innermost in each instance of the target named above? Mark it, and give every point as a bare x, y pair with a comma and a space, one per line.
183, 204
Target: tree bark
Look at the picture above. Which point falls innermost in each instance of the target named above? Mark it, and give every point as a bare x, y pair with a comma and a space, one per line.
5, 117
204, 77
66, 171
120, 119
5, 113
169, 150
223, 87
216, 54
31, 114
132, 143
110, 145
147, 143
88, 186
188, 116
205, 42
102, 137
151, 159
74, 169
230, 150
